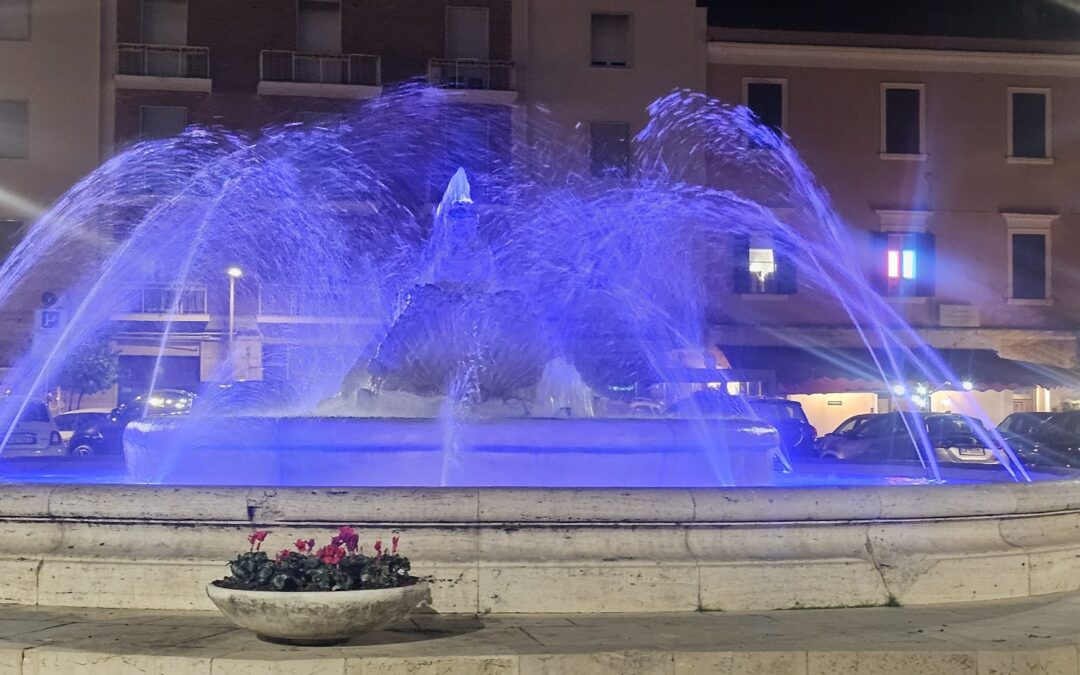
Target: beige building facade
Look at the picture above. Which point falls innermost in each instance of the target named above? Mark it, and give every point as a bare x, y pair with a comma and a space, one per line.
988, 177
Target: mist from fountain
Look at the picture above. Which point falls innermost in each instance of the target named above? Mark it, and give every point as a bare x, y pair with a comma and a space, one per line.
532, 289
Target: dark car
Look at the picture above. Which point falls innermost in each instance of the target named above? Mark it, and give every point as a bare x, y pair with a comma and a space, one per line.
1021, 430
846, 428
105, 436
896, 437
797, 435
1053, 443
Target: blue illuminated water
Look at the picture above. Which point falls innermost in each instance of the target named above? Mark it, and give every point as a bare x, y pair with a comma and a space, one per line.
468, 279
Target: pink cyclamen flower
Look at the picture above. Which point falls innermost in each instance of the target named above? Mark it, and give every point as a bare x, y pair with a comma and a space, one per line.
331, 555
256, 539
301, 545
378, 547
393, 545
348, 536
284, 553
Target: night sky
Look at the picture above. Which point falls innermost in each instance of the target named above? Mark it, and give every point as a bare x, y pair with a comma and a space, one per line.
1018, 19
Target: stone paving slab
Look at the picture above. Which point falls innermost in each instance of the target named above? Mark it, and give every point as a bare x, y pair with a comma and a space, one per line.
1019, 637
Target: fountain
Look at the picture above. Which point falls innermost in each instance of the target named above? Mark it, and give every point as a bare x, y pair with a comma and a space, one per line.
482, 392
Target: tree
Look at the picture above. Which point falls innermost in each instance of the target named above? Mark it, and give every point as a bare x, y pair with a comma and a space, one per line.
89, 368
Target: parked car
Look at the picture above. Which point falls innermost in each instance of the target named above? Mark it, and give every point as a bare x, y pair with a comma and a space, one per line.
1020, 430
105, 436
797, 435
845, 428
68, 422
896, 437
32, 434
1055, 442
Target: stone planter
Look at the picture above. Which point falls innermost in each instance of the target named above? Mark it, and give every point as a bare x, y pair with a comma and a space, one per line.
314, 617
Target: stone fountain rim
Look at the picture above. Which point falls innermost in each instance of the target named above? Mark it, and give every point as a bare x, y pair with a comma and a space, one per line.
486, 506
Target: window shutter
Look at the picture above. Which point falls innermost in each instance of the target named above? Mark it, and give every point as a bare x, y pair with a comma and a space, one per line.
786, 272
879, 246
740, 253
925, 270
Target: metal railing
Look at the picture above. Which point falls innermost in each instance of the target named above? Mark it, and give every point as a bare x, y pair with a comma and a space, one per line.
294, 301
163, 60
167, 299
307, 67
471, 74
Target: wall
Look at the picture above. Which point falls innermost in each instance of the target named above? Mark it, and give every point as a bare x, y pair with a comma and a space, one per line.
965, 181
668, 52
57, 72
828, 411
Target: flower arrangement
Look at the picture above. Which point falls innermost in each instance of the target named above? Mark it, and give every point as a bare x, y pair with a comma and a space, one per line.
339, 566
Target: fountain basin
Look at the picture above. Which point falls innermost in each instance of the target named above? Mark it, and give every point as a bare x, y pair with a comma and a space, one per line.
562, 550
536, 452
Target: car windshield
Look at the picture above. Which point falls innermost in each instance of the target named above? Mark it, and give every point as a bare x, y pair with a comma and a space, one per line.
947, 426
1020, 423
848, 427
777, 411
32, 411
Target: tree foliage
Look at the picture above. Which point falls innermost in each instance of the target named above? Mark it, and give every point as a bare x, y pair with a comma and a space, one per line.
90, 367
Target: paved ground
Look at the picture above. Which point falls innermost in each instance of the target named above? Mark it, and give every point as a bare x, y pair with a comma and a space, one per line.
1028, 636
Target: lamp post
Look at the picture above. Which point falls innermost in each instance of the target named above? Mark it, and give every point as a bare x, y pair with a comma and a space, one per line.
234, 273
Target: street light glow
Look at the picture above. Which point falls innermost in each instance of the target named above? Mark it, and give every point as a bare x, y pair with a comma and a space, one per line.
899, 389
968, 385
235, 272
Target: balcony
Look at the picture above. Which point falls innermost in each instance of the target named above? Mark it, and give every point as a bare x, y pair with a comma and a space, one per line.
165, 302
474, 80
286, 304
285, 73
163, 67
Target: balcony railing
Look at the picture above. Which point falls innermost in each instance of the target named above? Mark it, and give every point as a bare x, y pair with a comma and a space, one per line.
471, 74
166, 299
163, 61
283, 300
310, 68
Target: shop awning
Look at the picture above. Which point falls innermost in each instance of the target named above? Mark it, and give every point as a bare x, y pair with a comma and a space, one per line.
812, 371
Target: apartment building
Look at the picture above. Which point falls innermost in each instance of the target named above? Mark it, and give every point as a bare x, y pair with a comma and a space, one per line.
955, 160
50, 101
244, 66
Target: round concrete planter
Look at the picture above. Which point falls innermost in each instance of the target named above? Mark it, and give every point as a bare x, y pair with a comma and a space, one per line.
317, 618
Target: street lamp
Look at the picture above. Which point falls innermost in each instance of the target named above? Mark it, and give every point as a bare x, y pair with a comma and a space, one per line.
234, 273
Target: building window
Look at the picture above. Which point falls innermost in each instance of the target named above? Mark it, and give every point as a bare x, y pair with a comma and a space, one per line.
1029, 268
1029, 258
467, 33
14, 19
1029, 124
906, 262
609, 149
11, 233
161, 121
164, 22
318, 26
768, 101
14, 129
610, 40
761, 269
902, 121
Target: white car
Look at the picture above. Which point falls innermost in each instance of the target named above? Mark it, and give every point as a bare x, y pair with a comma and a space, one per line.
33, 435
68, 422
